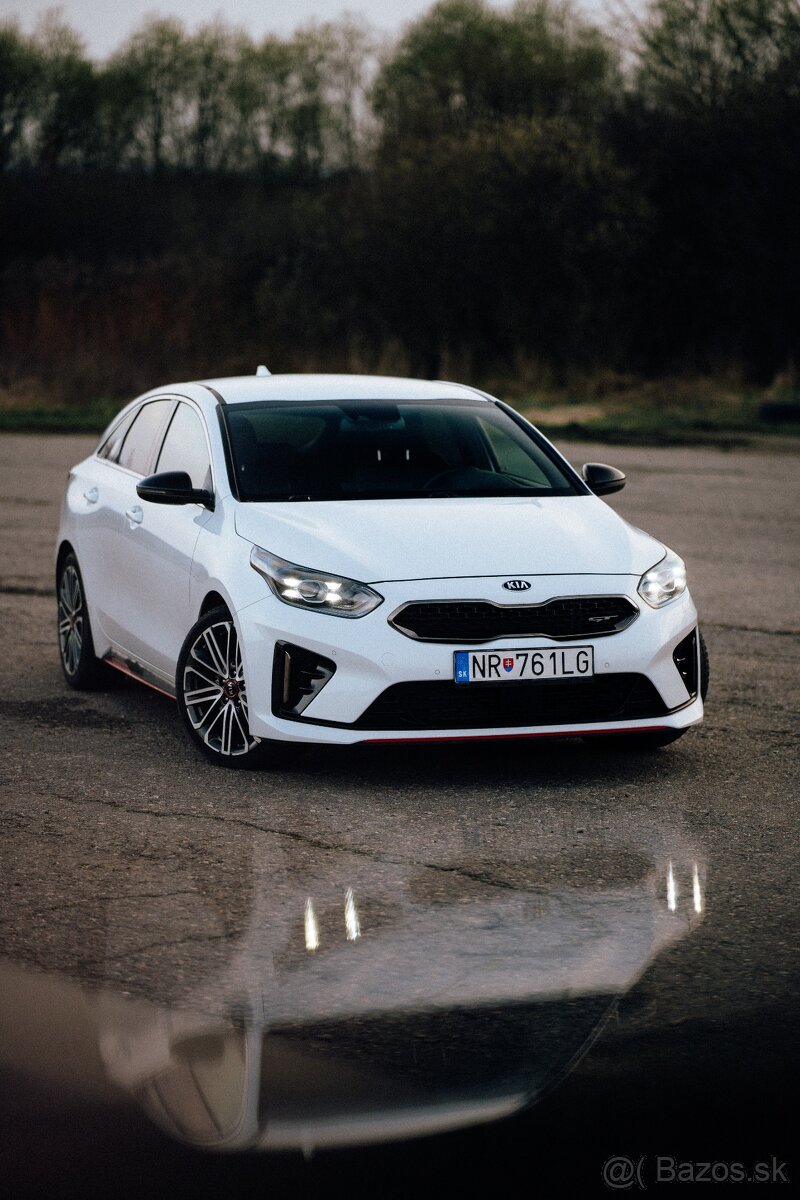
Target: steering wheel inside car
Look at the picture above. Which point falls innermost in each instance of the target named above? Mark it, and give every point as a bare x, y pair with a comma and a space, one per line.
451, 473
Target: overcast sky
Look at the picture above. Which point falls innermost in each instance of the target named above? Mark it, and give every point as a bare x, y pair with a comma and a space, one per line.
104, 24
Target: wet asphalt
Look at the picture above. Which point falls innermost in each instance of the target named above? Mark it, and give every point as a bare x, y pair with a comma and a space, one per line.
132, 867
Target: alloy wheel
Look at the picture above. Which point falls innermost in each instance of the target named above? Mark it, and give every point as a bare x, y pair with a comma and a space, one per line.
214, 691
71, 618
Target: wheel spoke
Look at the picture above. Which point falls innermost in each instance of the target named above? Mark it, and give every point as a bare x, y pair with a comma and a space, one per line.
75, 590
220, 719
242, 730
202, 694
73, 651
227, 728
204, 674
203, 723
217, 660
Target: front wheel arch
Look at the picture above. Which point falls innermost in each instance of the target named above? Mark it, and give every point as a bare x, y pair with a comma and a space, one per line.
211, 601
211, 692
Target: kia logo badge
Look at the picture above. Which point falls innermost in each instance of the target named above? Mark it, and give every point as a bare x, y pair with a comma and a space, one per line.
516, 585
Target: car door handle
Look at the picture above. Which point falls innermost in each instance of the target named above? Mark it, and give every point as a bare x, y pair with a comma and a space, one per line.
91, 495
134, 516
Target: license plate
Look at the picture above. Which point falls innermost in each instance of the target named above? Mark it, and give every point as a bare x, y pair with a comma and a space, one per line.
497, 666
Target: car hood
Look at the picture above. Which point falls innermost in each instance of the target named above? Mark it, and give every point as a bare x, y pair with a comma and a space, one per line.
380, 540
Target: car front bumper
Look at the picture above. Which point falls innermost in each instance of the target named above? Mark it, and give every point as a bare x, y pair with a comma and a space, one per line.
370, 656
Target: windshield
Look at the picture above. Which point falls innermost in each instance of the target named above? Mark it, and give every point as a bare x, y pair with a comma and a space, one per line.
371, 449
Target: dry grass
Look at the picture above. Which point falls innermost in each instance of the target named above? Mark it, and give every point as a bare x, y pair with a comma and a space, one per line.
659, 410
605, 405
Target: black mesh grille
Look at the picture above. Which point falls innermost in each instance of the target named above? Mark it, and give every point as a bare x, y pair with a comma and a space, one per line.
448, 705
470, 621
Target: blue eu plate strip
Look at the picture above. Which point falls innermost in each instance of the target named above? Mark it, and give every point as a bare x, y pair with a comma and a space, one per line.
462, 666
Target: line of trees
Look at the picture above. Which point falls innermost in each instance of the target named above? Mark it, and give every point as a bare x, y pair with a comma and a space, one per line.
215, 101
497, 193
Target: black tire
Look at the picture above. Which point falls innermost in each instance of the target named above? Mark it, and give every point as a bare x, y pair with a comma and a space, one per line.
82, 669
212, 694
705, 669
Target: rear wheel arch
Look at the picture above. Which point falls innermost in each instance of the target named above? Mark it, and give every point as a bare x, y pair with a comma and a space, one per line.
81, 667
64, 549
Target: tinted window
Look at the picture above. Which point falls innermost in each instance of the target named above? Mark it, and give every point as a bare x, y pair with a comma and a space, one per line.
511, 457
354, 450
113, 444
139, 448
185, 448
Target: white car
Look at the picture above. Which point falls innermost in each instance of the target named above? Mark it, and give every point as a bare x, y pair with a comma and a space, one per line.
341, 559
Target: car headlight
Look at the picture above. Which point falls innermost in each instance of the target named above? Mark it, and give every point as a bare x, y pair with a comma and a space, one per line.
663, 582
303, 588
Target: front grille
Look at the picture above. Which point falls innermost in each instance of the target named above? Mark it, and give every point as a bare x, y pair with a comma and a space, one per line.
462, 622
448, 705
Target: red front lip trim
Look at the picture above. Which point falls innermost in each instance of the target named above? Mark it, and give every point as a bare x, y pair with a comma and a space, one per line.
486, 737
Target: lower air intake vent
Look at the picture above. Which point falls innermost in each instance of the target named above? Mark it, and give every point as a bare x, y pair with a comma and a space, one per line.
298, 675
685, 658
448, 705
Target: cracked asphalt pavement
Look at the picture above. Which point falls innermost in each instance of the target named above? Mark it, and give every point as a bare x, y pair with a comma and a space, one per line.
133, 869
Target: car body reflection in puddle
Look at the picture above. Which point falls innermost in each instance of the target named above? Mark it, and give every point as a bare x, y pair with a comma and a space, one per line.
364, 999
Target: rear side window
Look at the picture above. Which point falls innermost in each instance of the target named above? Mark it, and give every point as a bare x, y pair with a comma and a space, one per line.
185, 448
113, 444
139, 447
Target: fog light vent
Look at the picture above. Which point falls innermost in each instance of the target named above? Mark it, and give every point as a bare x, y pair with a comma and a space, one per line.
298, 675
685, 658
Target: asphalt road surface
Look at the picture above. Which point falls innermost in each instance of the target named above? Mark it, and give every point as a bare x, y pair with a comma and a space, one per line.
479, 911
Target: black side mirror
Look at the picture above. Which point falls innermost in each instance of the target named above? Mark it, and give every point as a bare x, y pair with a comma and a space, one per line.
602, 479
173, 487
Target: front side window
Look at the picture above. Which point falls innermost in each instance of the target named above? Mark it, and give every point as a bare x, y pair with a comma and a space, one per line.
358, 450
185, 448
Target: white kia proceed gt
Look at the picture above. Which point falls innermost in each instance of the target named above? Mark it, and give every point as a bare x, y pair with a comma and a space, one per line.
339, 559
